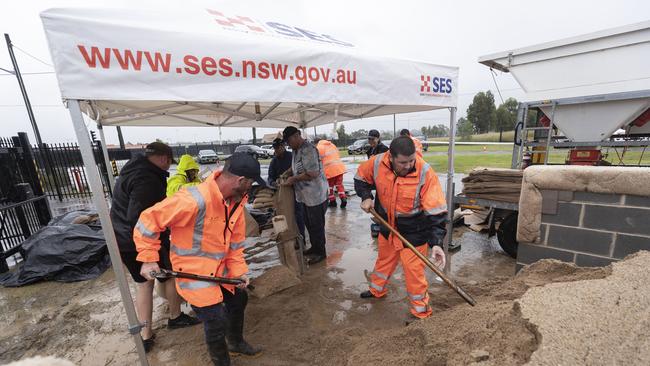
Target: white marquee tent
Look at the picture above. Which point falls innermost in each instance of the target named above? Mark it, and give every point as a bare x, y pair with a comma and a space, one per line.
211, 67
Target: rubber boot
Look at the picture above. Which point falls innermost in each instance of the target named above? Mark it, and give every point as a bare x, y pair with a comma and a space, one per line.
332, 203
217, 347
344, 202
236, 343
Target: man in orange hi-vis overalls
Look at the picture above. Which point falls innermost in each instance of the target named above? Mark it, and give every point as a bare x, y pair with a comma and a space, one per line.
207, 228
334, 170
410, 198
416, 142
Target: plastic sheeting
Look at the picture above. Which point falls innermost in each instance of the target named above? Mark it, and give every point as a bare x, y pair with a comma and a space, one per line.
63, 251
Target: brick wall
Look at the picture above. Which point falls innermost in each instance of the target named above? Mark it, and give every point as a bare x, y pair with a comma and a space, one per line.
589, 229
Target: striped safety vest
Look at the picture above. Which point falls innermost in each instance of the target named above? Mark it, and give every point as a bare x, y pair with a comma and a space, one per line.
207, 238
329, 155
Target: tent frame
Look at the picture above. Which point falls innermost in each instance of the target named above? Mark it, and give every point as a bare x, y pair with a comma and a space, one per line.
176, 109
101, 204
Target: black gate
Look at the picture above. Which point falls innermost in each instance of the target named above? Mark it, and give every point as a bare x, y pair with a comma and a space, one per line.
23, 204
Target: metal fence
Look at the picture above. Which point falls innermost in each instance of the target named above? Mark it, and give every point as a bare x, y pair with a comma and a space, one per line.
18, 221
62, 172
23, 205
10, 172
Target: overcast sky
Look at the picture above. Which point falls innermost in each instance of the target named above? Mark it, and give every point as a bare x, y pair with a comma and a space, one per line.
444, 32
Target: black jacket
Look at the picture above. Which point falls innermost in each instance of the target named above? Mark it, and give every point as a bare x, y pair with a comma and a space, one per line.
141, 185
279, 166
380, 148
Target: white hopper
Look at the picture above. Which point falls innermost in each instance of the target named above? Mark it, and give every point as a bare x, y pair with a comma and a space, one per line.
606, 62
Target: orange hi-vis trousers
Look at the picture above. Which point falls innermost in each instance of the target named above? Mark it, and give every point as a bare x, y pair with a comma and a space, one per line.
416, 282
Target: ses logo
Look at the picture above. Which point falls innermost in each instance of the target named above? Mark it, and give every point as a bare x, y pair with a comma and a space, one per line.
273, 29
435, 86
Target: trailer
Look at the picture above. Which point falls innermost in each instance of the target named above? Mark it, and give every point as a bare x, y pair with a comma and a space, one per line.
583, 94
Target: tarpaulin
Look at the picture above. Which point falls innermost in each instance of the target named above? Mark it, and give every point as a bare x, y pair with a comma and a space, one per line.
61, 251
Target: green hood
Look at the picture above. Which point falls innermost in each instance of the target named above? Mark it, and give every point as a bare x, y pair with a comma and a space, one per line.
187, 163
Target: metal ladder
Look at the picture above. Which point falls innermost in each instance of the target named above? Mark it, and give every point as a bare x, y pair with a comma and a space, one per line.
523, 117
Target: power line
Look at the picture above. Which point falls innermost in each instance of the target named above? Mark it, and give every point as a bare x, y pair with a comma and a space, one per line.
29, 73
35, 105
30, 55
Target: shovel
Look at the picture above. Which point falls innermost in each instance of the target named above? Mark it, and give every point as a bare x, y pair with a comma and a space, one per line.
424, 259
165, 273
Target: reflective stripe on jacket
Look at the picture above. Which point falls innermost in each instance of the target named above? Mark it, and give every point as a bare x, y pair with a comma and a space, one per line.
414, 204
207, 238
329, 155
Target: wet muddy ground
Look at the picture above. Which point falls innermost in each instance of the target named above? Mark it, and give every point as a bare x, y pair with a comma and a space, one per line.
85, 322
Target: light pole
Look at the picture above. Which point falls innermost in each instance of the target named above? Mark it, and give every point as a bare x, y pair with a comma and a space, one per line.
23, 90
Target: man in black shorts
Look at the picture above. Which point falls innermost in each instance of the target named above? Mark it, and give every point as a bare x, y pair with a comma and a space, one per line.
143, 183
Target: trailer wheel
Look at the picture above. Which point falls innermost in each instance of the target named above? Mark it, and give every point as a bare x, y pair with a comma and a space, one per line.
507, 234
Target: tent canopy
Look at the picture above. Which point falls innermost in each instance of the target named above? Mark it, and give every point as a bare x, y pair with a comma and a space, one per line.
209, 67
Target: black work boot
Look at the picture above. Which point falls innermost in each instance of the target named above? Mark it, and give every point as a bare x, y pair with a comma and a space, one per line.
236, 343
332, 203
245, 349
366, 295
315, 258
182, 321
215, 337
344, 202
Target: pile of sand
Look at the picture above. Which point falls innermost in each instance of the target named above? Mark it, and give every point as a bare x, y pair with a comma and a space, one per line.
604, 321
586, 317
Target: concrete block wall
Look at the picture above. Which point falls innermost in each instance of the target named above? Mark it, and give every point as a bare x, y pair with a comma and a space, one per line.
589, 229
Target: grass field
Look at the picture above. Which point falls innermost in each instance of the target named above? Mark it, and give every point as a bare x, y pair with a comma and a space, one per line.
470, 148
508, 136
465, 163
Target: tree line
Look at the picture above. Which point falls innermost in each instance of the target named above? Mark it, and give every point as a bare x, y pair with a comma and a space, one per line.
482, 116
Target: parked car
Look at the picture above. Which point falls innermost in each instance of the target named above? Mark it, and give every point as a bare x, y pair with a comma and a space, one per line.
359, 147
207, 157
269, 149
254, 150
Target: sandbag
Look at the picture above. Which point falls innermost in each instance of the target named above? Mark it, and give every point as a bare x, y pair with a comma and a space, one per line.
262, 205
263, 200
285, 205
252, 227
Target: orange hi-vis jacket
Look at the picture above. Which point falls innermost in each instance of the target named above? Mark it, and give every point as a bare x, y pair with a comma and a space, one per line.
413, 204
418, 146
329, 155
207, 238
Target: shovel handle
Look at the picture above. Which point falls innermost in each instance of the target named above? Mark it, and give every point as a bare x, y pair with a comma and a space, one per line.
424, 259
165, 273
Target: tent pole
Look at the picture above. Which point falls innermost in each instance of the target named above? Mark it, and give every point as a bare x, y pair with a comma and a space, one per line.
336, 120
120, 137
450, 186
107, 161
107, 226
